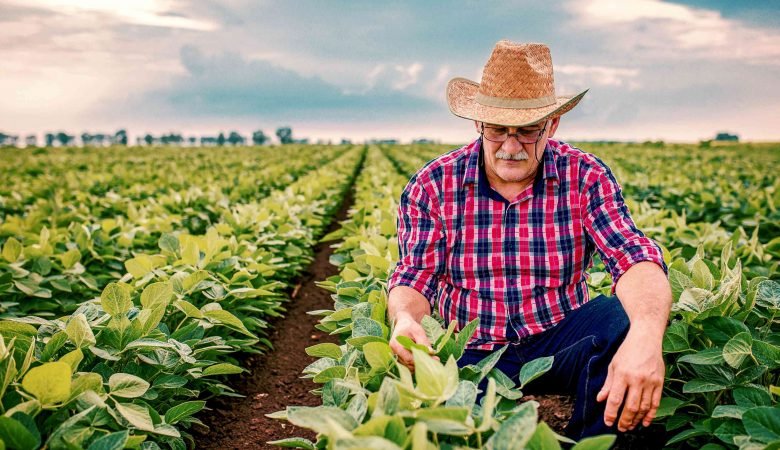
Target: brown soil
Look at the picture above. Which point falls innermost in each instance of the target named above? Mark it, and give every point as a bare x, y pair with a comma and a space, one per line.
273, 379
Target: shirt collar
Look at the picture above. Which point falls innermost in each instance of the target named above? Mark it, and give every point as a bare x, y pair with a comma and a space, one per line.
550, 169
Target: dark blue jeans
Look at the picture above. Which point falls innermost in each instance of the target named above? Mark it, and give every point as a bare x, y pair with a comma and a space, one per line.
582, 345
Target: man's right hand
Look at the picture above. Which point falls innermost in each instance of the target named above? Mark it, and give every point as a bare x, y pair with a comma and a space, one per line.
405, 325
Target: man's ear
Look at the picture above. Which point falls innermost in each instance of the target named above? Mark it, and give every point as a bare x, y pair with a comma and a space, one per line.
554, 126
477, 125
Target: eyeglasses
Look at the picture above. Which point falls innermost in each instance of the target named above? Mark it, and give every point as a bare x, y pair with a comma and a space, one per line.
523, 135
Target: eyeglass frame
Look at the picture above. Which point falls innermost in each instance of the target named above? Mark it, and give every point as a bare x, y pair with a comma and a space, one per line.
516, 134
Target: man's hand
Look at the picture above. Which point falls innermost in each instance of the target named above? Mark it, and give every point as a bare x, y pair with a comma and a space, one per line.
405, 325
637, 367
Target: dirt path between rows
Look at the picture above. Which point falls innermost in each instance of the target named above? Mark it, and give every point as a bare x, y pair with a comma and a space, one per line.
273, 379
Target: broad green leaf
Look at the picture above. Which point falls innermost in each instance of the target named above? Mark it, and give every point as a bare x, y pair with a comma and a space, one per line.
668, 406
79, 332
317, 418
737, 349
732, 411
751, 396
464, 336
534, 369
73, 359
517, 430
363, 326
49, 382
676, 338
16, 436
183, 410
698, 385
70, 258
702, 277
433, 379
12, 250
112, 441
115, 299
432, 328
596, 443
157, 295
188, 309
169, 243
763, 423
228, 319
378, 354
465, 395
721, 329
222, 369
137, 415
324, 350
768, 294
708, 356
127, 386
336, 372
543, 438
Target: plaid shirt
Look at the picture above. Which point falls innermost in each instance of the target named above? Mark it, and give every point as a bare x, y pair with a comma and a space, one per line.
519, 266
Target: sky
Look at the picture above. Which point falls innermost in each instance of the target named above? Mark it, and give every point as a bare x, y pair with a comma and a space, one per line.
670, 70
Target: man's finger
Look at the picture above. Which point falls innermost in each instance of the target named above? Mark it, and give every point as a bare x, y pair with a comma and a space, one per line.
616, 393
644, 406
630, 407
404, 355
604, 392
654, 407
419, 336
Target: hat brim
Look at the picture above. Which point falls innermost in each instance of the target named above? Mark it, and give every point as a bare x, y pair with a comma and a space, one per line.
461, 95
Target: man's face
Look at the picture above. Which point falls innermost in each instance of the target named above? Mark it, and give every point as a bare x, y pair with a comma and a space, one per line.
513, 162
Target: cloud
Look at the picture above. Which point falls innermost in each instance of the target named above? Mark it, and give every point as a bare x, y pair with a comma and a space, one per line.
230, 85
587, 75
156, 13
657, 29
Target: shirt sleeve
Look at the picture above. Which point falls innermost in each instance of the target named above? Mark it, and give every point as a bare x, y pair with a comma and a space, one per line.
421, 243
608, 223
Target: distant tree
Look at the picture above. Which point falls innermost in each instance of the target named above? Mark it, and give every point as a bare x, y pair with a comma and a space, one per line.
64, 139
235, 139
193, 141
259, 138
285, 135
120, 137
728, 137
221, 139
86, 139
149, 139
31, 140
49, 137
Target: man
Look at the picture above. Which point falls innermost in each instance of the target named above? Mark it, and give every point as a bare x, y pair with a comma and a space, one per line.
504, 230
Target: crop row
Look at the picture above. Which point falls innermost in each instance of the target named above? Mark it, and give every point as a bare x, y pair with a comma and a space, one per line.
130, 368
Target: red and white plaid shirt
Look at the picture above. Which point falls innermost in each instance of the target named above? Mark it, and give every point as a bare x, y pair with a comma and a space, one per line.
519, 266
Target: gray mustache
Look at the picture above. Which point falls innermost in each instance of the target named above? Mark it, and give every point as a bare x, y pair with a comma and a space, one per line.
522, 156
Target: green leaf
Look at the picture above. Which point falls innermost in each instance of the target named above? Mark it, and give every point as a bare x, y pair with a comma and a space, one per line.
137, 415
336, 372
721, 329
318, 418
737, 349
705, 357
465, 395
127, 386
751, 396
768, 294
188, 309
596, 443
222, 369
294, 442
12, 250
157, 295
16, 436
517, 430
73, 359
115, 299
49, 382
70, 258
676, 338
79, 332
433, 379
112, 441
325, 350
464, 336
543, 439
182, 410
169, 242
697, 385
378, 354
534, 369
226, 318
732, 411
668, 406
763, 423
363, 326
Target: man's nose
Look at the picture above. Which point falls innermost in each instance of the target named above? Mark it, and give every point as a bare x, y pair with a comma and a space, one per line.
512, 143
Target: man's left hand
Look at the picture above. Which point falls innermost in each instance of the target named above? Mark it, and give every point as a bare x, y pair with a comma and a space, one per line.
635, 379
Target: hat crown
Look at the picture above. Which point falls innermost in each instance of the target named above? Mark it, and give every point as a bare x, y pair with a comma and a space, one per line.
518, 71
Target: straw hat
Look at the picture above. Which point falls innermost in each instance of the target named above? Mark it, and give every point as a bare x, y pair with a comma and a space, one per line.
517, 88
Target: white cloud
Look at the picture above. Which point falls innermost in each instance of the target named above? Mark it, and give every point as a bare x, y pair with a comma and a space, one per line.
140, 12
665, 30
582, 75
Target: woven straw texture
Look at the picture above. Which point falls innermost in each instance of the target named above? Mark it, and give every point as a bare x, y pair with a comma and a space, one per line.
517, 89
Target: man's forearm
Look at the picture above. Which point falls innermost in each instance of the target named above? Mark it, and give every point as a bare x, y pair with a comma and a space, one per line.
646, 296
403, 300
